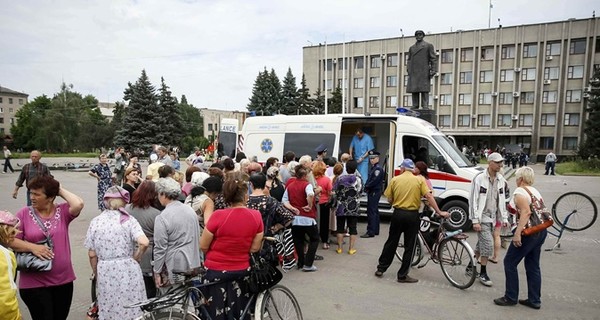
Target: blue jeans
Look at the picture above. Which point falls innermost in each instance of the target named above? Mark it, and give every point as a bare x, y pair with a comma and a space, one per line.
530, 250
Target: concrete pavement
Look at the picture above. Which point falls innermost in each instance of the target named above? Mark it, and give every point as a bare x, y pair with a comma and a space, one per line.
344, 287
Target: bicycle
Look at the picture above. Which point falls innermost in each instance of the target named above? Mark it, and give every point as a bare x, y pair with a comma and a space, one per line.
449, 248
572, 211
188, 302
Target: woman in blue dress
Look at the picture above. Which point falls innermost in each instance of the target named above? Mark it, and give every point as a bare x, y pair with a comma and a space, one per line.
101, 172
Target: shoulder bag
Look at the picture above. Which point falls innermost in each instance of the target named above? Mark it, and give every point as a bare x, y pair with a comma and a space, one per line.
27, 261
263, 275
540, 218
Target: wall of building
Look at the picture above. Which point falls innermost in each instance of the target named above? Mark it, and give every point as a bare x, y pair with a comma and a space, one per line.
212, 118
10, 102
519, 84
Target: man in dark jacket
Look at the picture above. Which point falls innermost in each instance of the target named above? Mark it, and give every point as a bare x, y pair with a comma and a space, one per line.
373, 187
421, 67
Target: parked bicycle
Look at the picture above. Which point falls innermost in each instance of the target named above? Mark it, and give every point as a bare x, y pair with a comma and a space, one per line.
449, 249
572, 211
188, 302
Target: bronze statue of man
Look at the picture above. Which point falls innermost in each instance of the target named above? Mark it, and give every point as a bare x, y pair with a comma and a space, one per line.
421, 67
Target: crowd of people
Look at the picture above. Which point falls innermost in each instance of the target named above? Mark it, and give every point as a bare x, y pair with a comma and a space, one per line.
153, 226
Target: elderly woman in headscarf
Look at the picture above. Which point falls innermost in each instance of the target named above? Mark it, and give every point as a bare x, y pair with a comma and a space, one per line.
116, 243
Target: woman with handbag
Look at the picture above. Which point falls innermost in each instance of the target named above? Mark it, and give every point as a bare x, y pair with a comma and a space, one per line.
101, 172
229, 237
523, 247
47, 294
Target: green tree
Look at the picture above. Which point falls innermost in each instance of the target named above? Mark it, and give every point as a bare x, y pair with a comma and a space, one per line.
289, 94
334, 104
590, 146
318, 105
171, 125
193, 126
140, 125
30, 118
266, 94
305, 103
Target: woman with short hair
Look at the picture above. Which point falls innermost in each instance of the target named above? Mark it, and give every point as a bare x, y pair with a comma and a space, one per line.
111, 241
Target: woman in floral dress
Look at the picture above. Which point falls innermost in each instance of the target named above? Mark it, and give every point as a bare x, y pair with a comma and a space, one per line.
101, 172
111, 240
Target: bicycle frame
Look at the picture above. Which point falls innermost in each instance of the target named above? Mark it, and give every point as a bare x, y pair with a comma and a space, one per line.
433, 251
560, 230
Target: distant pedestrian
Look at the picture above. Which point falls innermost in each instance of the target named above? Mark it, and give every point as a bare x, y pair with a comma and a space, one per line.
101, 172
29, 172
550, 163
7, 156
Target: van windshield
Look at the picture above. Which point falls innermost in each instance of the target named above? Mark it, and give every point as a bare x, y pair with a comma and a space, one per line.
451, 149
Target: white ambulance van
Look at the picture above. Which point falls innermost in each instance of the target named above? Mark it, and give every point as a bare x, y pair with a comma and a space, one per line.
396, 137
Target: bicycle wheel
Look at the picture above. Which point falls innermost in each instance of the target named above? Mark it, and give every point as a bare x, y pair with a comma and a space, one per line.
455, 258
578, 207
277, 303
417, 257
174, 314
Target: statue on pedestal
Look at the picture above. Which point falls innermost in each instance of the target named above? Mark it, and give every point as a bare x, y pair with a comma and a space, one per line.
421, 67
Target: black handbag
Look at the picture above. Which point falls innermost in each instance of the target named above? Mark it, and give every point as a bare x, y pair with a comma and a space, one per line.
27, 261
263, 275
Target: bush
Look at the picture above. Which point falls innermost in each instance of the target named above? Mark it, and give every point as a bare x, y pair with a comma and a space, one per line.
584, 167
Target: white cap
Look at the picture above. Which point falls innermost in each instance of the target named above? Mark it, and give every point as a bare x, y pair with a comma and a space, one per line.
495, 157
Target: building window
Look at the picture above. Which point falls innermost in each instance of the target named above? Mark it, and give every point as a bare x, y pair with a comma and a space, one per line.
464, 99
527, 97
525, 120
569, 143
571, 119
486, 76
341, 65
504, 120
573, 96
373, 102
505, 98
548, 119
375, 61
553, 49
528, 74
446, 78
1, 110
447, 56
445, 121
577, 46
10, 100
359, 83
329, 64
392, 81
551, 73
464, 120
406, 58
407, 100
445, 99
329, 84
485, 98
391, 101
10, 110
21, 101
359, 102
210, 127
359, 62
342, 84
575, 72
466, 55
466, 77
508, 52
374, 82
12, 120
405, 81
530, 50
546, 142
487, 53
507, 75
483, 120
0, 99
392, 60
549, 96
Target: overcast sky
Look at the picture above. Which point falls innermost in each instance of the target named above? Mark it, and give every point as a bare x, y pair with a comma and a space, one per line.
212, 51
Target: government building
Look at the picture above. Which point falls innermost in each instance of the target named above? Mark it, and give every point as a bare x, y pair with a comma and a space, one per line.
524, 85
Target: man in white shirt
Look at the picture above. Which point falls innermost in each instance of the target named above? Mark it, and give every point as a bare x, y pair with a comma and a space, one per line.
7, 156
550, 163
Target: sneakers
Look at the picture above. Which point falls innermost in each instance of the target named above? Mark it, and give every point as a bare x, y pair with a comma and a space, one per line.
379, 273
309, 269
407, 279
352, 251
366, 235
504, 302
485, 280
528, 303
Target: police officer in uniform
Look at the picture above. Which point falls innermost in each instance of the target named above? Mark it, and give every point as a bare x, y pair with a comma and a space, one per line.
321, 151
373, 187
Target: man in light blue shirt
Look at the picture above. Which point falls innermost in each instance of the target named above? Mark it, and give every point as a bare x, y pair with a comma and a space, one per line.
359, 149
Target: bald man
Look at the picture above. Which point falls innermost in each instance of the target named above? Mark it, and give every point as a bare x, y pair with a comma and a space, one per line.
29, 172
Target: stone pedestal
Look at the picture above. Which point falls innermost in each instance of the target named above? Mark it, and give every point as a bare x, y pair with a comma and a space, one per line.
428, 115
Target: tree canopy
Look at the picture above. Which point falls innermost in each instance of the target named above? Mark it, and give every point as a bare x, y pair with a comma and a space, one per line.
590, 146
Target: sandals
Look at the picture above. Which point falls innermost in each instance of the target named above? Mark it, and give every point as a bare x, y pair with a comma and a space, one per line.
339, 250
325, 246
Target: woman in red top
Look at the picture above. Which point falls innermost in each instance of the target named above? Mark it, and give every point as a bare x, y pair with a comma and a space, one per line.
229, 237
325, 183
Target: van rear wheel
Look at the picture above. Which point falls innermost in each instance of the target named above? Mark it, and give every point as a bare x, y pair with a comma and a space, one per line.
459, 215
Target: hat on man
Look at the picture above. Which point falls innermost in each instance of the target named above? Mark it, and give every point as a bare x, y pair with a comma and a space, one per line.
8, 218
374, 153
407, 164
321, 148
495, 157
